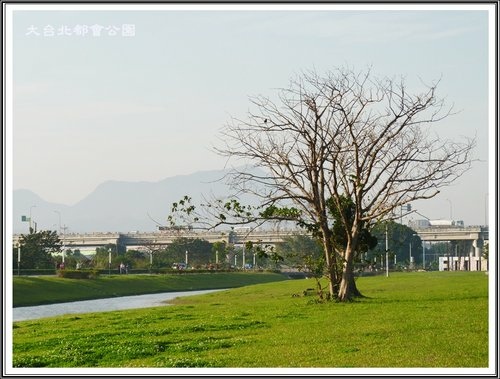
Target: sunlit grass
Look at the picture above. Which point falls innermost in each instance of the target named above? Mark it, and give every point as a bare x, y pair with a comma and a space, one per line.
30, 291
407, 320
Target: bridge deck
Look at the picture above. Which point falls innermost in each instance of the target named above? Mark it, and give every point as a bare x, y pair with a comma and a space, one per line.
265, 237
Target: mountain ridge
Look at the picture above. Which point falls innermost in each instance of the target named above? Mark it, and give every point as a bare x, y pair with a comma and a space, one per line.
117, 206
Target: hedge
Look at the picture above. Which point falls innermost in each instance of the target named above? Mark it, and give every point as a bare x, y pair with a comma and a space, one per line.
77, 274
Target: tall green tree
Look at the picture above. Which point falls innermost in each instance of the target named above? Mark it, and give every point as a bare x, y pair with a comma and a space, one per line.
37, 249
100, 260
399, 238
298, 250
199, 252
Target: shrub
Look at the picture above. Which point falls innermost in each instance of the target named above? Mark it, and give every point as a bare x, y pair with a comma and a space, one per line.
77, 274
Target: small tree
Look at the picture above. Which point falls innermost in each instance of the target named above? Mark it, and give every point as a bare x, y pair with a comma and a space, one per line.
100, 260
299, 250
37, 249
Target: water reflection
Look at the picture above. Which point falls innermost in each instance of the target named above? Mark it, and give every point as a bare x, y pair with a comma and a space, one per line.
100, 305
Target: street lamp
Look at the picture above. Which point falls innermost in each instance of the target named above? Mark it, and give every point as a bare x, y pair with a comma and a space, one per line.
18, 258
411, 243
386, 252
451, 213
407, 208
423, 254
59, 214
33, 206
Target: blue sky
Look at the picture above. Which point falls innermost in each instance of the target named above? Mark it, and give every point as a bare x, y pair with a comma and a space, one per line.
144, 107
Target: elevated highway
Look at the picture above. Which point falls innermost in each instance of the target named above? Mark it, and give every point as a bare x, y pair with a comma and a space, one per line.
476, 234
132, 240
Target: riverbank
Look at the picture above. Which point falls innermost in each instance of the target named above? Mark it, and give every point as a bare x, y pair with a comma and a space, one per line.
100, 305
30, 291
407, 320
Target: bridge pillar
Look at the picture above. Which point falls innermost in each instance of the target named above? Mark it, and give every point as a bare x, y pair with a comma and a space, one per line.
478, 247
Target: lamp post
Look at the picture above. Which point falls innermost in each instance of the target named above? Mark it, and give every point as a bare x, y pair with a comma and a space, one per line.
151, 251
18, 258
33, 206
451, 213
59, 232
423, 254
411, 243
407, 208
386, 252
63, 238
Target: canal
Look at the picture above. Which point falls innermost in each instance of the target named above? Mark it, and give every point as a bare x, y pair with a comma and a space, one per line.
100, 305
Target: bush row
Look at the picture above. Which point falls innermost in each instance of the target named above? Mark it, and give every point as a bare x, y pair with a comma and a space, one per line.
86, 273
77, 274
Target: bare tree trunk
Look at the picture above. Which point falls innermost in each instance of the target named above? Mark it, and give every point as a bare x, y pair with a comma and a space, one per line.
331, 264
348, 289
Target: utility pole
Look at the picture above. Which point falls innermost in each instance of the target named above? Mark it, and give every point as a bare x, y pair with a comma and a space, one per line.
423, 253
386, 252
33, 206
63, 235
18, 258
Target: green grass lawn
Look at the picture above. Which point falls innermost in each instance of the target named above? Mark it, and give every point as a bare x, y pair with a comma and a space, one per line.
428, 319
28, 291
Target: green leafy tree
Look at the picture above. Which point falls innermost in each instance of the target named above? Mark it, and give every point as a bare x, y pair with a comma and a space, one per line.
486, 251
199, 252
73, 259
136, 259
220, 250
299, 250
100, 259
37, 249
399, 238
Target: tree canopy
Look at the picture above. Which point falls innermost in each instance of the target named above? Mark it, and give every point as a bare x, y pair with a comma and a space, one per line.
330, 140
37, 249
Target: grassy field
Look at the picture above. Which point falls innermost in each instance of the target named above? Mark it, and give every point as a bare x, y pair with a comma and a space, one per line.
28, 291
428, 319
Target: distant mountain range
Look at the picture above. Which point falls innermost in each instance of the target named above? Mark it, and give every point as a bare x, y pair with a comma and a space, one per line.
116, 206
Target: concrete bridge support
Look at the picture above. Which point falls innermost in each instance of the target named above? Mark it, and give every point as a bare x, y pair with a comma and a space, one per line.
476, 255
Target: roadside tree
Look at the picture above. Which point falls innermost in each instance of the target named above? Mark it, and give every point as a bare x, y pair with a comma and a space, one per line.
37, 249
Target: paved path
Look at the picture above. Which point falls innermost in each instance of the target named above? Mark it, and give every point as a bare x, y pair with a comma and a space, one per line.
100, 305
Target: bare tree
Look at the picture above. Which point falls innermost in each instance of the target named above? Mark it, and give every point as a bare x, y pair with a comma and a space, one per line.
345, 135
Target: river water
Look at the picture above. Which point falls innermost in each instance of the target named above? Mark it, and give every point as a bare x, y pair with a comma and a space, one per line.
100, 305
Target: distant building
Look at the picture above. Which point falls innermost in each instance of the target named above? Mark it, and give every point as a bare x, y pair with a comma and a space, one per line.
468, 263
